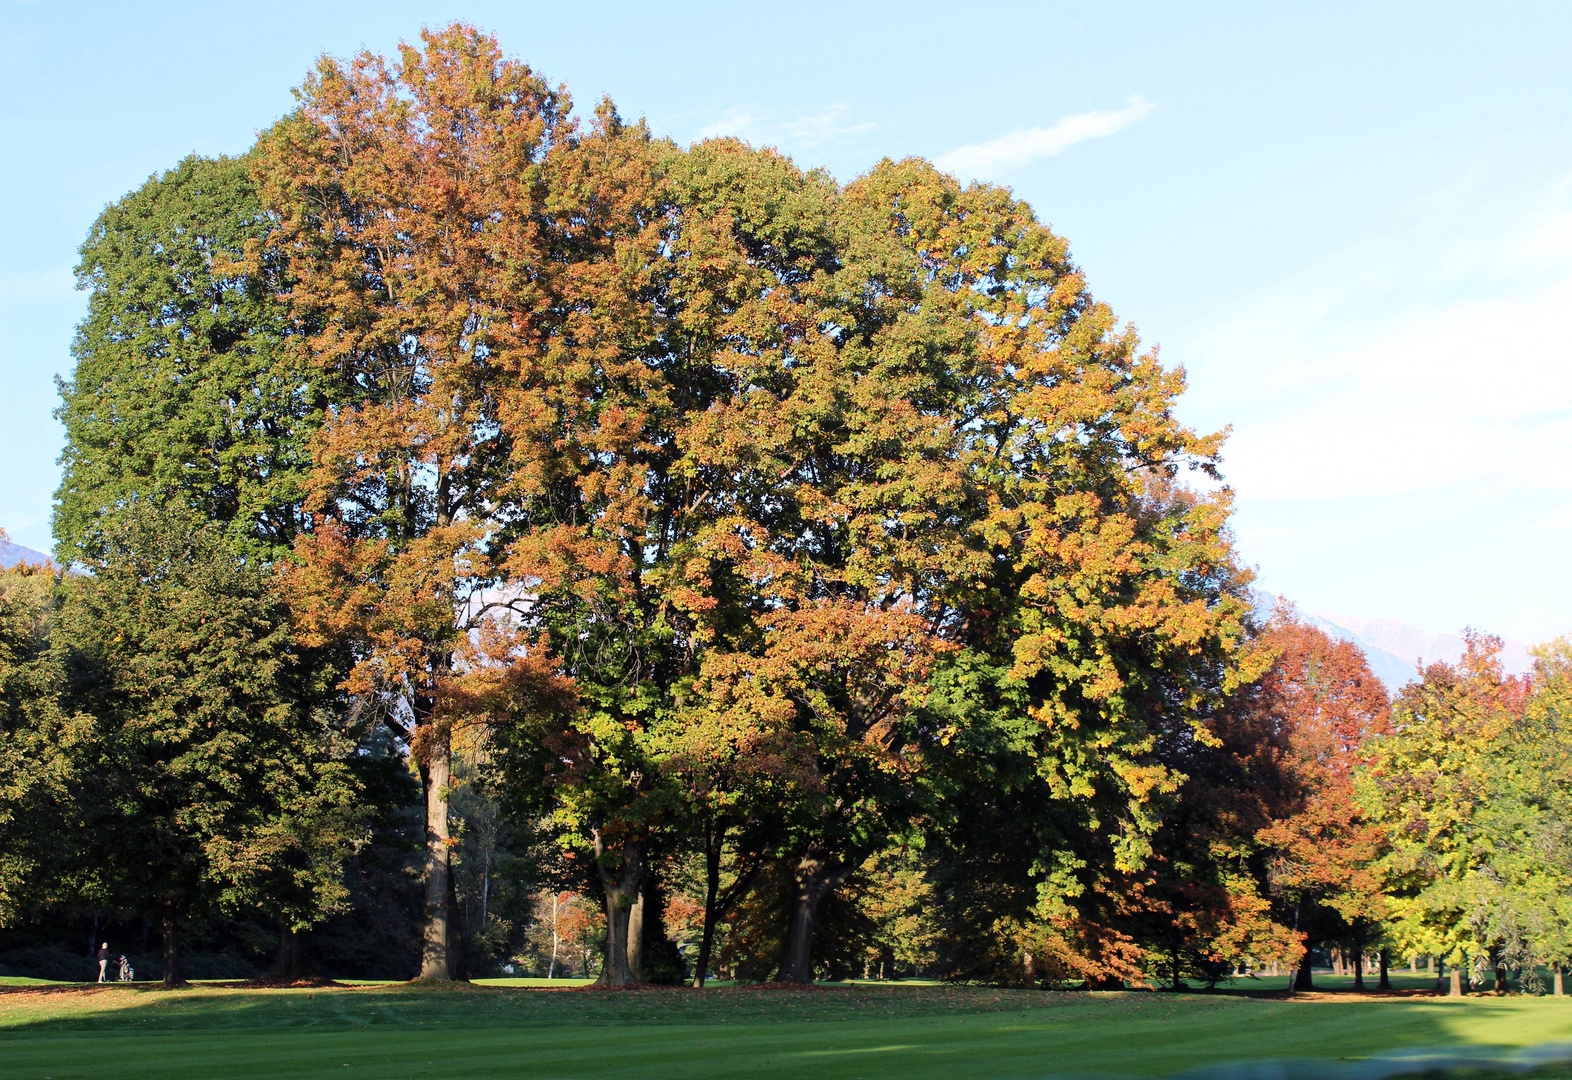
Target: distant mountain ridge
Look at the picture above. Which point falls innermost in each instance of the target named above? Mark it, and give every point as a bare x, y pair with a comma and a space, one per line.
12, 553
1396, 651
1417, 648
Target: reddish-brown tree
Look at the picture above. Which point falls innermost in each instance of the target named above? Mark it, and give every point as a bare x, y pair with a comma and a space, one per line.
1324, 704
413, 211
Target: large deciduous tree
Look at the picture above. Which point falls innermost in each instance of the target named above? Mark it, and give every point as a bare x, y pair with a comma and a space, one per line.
185, 412
182, 392
1458, 745
1324, 706
1035, 523
430, 259
732, 445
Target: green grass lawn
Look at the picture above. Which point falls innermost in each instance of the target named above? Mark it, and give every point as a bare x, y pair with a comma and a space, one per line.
872, 1032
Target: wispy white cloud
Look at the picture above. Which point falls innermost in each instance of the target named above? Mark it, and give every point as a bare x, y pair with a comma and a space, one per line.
1435, 356
828, 125
1557, 520
1025, 145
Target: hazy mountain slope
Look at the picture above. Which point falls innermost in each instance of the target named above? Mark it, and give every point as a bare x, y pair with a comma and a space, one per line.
1413, 645
1394, 650
1393, 669
13, 553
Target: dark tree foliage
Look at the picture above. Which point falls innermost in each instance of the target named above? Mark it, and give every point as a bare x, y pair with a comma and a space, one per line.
37, 742
185, 414
181, 393
206, 783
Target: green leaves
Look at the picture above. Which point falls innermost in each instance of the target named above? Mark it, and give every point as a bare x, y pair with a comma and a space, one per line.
181, 393
214, 782
1472, 787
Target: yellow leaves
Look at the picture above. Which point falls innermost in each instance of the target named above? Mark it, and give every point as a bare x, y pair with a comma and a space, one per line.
775, 445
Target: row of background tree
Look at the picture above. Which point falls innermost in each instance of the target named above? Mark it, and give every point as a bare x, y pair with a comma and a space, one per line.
467, 504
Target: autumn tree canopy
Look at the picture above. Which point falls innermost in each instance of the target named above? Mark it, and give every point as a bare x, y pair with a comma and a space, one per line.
814, 565
1470, 787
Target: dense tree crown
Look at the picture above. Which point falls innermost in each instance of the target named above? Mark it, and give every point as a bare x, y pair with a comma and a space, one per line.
182, 393
808, 574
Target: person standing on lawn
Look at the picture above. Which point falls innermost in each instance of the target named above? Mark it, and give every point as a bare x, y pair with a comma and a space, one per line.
103, 960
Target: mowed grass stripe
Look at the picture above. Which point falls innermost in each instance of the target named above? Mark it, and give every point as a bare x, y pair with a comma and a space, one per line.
1136, 1035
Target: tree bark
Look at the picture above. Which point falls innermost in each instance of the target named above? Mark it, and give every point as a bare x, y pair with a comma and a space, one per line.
1359, 970
1029, 962
1385, 982
716, 902
636, 933
813, 878
714, 839
620, 892
556, 904
1302, 977
458, 932
293, 961
171, 948
436, 959
1559, 990
1456, 987
1502, 985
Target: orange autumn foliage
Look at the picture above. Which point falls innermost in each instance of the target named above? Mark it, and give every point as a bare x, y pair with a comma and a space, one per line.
1325, 704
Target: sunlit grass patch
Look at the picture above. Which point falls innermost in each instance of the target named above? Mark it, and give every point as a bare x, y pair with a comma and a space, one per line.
881, 1032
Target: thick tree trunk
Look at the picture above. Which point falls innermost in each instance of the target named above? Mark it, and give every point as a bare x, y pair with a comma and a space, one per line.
293, 962
636, 933
1359, 970
621, 891
458, 932
1413, 963
1029, 962
813, 878
1385, 982
714, 836
1302, 977
436, 957
1456, 987
1502, 985
171, 948
1559, 990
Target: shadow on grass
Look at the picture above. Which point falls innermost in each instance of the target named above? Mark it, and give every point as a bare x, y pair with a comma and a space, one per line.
1545, 1060
873, 1033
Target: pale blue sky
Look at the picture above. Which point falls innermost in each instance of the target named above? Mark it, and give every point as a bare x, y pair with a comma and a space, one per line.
1352, 223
